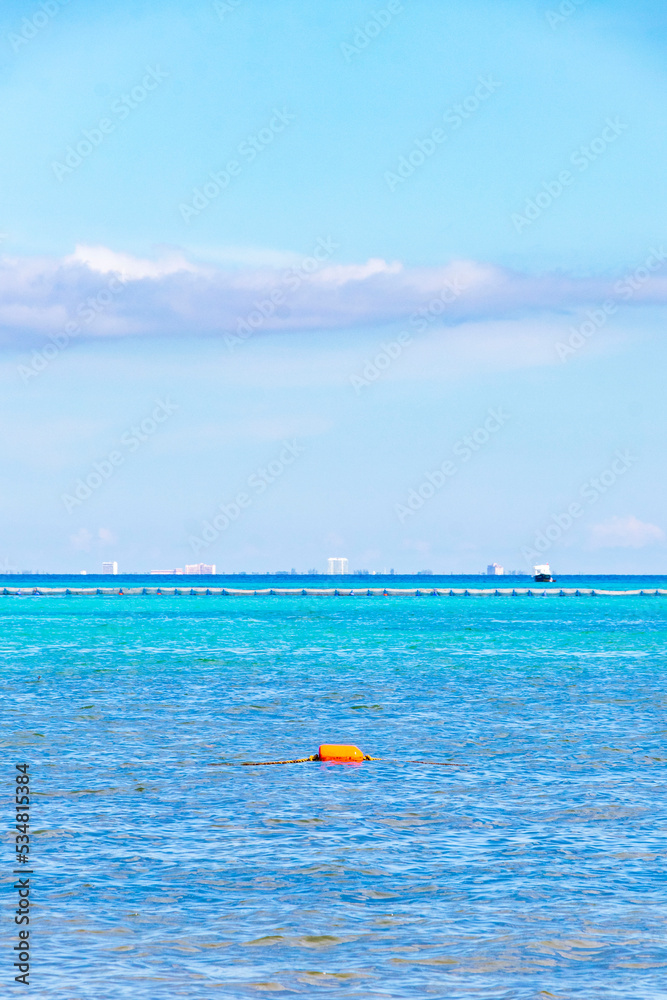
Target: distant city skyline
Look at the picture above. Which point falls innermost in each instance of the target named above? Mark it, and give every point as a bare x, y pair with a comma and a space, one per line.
336, 566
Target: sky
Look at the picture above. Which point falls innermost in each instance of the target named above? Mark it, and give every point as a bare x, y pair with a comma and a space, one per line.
283, 281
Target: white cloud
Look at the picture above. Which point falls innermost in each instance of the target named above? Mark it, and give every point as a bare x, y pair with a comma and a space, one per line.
105, 261
624, 533
173, 295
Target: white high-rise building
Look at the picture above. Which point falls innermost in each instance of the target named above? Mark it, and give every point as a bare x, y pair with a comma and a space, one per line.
200, 569
337, 566
495, 570
110, 569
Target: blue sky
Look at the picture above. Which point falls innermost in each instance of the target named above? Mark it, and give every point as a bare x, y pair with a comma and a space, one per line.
471, 196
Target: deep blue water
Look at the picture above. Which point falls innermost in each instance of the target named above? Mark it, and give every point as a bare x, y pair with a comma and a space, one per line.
534, 867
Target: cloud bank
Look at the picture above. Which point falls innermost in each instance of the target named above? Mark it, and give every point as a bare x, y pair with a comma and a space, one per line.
97, 292
625, 533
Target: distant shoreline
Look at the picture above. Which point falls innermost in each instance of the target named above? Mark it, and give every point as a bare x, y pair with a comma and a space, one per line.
345, 581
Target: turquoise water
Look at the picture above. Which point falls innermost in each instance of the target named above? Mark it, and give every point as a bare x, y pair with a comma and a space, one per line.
535, 864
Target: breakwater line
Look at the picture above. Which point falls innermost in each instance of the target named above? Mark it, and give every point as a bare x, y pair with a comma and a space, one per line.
325, 592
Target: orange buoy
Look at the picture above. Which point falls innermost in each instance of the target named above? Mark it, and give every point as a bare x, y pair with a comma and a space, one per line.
341, 753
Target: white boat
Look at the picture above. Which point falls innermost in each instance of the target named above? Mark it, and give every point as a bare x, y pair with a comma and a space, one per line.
542, 574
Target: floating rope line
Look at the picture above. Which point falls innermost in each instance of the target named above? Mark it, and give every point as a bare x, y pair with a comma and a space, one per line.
261, 763
314, 757
324, 592
332, 753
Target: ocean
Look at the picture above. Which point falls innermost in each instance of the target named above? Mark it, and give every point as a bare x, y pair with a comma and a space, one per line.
533, 866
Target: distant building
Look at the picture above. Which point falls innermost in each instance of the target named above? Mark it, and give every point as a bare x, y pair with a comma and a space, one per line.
425, 572
495, 570
110, 569
337, 566
313, 572
200, 569
166, 572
